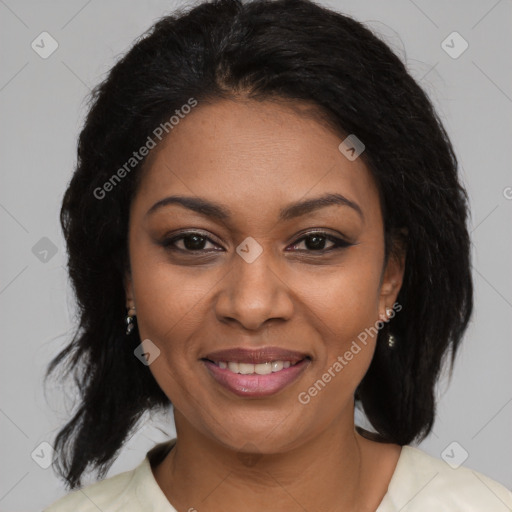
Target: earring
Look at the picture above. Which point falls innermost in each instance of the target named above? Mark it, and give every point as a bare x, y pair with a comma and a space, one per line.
385, 317
391, 339
129, 320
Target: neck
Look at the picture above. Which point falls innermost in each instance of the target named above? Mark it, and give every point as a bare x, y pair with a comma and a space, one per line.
331, 470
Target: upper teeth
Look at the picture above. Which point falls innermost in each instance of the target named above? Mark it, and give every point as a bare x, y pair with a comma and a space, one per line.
260, 369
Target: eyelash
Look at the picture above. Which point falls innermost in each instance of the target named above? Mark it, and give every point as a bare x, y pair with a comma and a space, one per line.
339, 243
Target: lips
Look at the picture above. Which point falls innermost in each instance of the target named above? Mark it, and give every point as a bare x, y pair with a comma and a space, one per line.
251, 356
245, 372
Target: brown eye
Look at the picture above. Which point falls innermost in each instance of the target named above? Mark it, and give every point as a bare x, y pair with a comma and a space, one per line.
191, 242
315, 242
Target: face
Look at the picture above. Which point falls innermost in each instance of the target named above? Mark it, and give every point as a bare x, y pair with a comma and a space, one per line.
258, 273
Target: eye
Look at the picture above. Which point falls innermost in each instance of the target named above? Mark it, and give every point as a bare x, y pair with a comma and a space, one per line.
316, 241
191, 242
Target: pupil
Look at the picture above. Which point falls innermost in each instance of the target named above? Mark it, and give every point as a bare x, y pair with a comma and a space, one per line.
318, 242
194, 246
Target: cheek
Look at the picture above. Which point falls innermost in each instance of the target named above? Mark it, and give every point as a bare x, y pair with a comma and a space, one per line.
349, 299
347, 315
167, 315
167, 296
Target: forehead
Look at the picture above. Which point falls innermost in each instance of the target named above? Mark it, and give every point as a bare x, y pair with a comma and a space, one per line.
255, 157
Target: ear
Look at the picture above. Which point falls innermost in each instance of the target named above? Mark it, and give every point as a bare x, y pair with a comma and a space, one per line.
393, 274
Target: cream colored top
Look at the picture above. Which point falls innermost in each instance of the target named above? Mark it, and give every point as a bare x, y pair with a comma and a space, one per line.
420, 483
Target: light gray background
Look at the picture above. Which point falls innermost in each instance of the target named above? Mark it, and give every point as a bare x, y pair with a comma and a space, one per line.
42, 108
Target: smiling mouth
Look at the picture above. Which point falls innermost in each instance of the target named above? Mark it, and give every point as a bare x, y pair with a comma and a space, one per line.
255, 369
256, 373
257, 380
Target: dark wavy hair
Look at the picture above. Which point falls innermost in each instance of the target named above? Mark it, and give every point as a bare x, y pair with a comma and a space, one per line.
295, 51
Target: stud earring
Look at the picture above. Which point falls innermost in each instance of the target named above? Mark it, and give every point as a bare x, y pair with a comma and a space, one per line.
129, 320
391, 341
385, 317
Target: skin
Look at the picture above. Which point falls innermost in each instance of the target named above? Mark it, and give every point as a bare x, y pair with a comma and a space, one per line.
255, 158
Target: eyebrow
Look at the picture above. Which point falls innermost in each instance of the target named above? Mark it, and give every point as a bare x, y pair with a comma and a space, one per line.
219, 212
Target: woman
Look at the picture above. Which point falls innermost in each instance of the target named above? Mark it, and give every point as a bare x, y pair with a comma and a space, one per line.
265, 228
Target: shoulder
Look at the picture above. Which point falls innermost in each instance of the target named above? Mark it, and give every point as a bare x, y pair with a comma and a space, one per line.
111, 494
424, 483
130, 491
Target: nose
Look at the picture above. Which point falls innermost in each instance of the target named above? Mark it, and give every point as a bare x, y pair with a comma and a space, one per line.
254, 294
